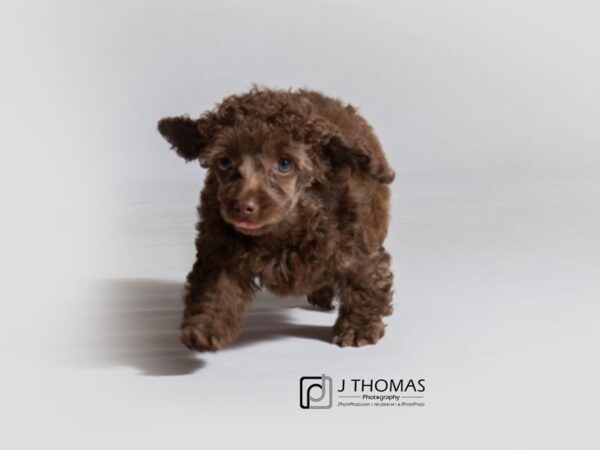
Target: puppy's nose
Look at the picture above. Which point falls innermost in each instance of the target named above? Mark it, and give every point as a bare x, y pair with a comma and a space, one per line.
246, 207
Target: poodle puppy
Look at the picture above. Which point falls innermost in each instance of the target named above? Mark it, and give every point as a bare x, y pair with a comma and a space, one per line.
295, 200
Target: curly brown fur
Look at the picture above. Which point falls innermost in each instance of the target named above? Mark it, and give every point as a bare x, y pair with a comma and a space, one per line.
295, 197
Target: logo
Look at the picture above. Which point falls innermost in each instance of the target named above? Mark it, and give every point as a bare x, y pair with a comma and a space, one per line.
316, 392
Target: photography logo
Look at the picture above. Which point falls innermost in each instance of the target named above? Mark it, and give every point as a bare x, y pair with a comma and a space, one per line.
316, 392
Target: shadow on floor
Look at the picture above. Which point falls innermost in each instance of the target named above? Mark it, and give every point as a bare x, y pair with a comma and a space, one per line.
135, 323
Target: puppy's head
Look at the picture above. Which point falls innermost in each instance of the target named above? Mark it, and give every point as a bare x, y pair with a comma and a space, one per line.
265, 153
261, 174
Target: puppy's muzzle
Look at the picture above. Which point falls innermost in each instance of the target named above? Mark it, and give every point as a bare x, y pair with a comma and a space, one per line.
247, 209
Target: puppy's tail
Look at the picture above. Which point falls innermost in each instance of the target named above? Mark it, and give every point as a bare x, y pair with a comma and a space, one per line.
384, 175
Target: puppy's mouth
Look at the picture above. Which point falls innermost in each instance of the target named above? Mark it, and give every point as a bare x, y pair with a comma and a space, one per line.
247, 225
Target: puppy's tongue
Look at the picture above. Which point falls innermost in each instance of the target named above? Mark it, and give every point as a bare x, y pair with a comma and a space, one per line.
246, 225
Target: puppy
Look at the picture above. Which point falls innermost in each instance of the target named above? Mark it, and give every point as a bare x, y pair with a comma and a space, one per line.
295, 200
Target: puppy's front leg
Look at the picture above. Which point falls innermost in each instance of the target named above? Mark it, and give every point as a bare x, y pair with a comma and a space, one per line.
365, 297
215, 305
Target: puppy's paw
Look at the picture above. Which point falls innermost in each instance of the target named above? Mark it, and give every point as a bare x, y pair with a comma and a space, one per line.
322, 298
199, 333
350, 334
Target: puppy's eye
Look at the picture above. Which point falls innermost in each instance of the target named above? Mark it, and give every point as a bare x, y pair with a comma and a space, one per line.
284, 165
224, 163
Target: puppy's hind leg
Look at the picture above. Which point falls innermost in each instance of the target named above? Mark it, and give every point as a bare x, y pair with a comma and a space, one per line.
322, 298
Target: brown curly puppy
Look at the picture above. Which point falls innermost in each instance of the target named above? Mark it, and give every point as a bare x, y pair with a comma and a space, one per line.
295, 200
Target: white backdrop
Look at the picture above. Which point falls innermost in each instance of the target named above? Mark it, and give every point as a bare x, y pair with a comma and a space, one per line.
489, 114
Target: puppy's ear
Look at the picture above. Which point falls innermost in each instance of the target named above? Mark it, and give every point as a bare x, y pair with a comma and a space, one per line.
352, 152
188, 137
